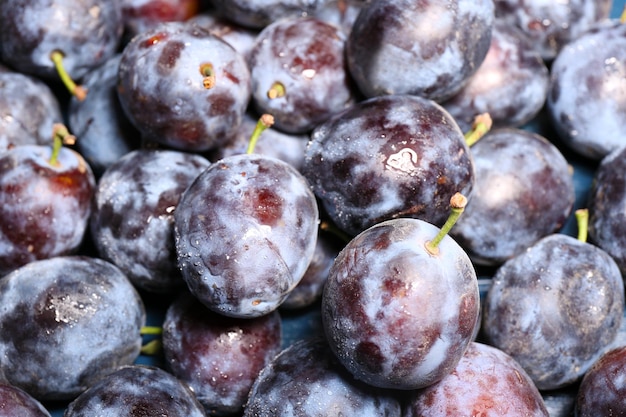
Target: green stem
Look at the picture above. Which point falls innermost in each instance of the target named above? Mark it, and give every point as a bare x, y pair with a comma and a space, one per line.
276, 90
60, 136
76, 90
582, 220
457, 206
264, 122
152, 330
152, 348
482, 124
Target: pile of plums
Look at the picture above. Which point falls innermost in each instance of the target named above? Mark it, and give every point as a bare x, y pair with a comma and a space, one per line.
312, 208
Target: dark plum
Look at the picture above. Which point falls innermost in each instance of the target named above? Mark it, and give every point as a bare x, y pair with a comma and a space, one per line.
15, 402
602, 391
487, 383
425, 48
67, 322
552, 24
587, 97
387, 157
239, 37
105, 133
219, 357
285, 146
306, 380
524, 190
245, 234
607, 206
510, 85
183, 87
132, 220
260, 13
45, 203
142, 15
397, 314
298, 73
310, 288
28, 111
555, 308
86, 32
137, 391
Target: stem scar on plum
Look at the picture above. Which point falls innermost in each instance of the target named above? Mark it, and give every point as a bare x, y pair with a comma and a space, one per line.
77, 91
208, 73
457, 205
277, 90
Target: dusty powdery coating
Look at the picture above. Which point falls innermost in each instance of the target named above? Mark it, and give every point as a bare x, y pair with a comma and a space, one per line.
425, 48
87, 32
387, 157
44, 208
259, 13
602, 391
18, 403
587, 98
511, 84
219, 357
607, 207
306, 57
67, 322
28, 110
395, 315
132, 222
305, 380
105, 133
137, 391
552, 24
162, 86
245, 234
487, 383
555, 308
524, 191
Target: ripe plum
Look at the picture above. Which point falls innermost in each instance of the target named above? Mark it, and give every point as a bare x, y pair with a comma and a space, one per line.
389, 156
397, 315
136, 391
424, 48
183, 87
142, 15
132, 221
15, 402
245, 234
487, 383
67, 322
555, 308
219, 357
305, 380
298, 73
259, 13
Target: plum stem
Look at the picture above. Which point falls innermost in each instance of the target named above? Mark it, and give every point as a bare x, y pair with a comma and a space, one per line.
151, 330
208, 74
265, 121
77, 91
582, 221
276, 90
332, 228
482, 124
622, 16
152, 348
457, 205
60, 136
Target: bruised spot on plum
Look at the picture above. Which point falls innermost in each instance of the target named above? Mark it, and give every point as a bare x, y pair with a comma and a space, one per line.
266, 206
169, 57
153, 40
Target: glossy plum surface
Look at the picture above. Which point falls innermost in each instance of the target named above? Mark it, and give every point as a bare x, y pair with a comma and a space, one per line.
28, 111
396, 315
305, 380
132, 221
487, 383
511, 84
426, 48
67, 321
44, 207
137, 391
219, 357
87, 32
524, 190
587, 99
15, 402
305, 57
386, 157
162, 86
555, 308
245, 234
